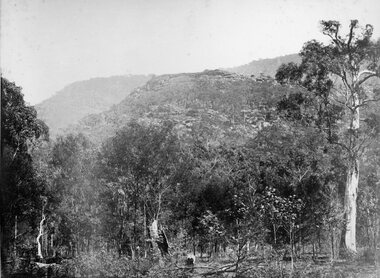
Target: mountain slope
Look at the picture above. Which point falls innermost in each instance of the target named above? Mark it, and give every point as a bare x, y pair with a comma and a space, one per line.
83, 98
213, 105
97, 95
265, 66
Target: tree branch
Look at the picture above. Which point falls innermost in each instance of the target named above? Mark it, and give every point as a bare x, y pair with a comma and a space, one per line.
342, 145
371, 74
364, 102
350, 36
304, 174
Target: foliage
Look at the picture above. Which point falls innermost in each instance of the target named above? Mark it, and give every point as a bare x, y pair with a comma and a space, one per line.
21, 188
73, 193
138, 170
353, 61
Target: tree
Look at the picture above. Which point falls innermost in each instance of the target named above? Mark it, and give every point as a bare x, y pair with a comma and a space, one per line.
21, 189
292, 159
369, 199
72, 201
339, 74
138, 168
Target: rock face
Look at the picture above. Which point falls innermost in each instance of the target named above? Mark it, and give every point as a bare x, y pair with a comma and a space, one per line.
83, 98
216, 105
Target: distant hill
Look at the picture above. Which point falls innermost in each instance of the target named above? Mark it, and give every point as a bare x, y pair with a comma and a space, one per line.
265, 66
83, 98
214, 105
268, 67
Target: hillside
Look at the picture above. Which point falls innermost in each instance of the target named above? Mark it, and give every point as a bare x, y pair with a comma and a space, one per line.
215, 105
83, 98
265, 66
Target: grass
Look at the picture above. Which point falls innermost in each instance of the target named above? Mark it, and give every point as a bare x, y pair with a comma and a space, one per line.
103, 264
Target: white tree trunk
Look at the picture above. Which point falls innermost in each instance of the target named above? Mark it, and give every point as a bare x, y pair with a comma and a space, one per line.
155, 237
40, 233
350, 205
352, 182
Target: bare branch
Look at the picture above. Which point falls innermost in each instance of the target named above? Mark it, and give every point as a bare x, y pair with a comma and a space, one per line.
364, 102
342, 145
365, 72
302, 176
351, 35
371, 74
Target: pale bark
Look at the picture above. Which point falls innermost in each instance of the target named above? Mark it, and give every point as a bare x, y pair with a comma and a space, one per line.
15, 238
350, 205
352, 181
40, 233
353, 70
155, 238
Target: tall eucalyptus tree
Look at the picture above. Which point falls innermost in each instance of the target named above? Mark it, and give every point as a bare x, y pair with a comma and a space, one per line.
342, 75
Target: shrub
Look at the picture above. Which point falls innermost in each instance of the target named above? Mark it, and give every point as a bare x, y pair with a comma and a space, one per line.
100, 263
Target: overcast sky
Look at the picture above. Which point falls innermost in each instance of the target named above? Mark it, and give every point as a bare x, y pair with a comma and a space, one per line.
46, 45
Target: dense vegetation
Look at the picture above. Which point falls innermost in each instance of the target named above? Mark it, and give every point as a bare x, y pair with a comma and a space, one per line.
248, 175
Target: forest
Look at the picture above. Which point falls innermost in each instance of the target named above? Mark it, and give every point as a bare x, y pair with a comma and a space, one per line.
207, 175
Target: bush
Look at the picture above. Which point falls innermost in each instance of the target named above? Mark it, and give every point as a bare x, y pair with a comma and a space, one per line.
101, 263
108, 264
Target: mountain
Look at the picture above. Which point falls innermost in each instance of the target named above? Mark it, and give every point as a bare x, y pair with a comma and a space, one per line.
214, 105
83, 98
265, 66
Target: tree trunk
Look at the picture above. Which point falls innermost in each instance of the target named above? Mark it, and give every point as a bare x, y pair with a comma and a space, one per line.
291, 249
332, 243
45, 239
15, 238
52, 245
145, 232
350, 205
133, 255
155, 238
375, 237
352, 181
40, 233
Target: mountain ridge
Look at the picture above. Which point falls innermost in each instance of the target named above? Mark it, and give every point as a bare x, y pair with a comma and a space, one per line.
86, 97
216, 104
267, 66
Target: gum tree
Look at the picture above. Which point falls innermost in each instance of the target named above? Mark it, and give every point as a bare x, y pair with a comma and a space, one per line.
21, 189
139, 165
342, 75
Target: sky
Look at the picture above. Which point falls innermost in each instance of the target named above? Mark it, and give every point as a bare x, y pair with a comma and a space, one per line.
48, 44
